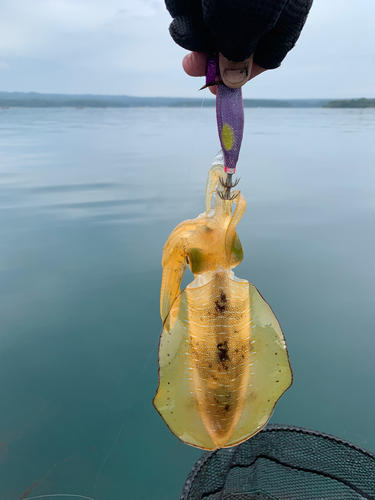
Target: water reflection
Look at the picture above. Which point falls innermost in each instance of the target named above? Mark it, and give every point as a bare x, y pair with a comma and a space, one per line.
87, 200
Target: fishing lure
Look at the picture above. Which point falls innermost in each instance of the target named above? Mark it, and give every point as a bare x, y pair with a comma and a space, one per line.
223, 361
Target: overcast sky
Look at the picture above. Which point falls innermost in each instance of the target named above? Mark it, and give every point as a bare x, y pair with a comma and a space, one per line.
123, 47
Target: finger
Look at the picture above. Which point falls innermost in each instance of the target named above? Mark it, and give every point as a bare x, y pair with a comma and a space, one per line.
235, 74
195, 63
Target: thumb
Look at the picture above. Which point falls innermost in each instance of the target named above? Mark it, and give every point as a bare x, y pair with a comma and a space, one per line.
235, 74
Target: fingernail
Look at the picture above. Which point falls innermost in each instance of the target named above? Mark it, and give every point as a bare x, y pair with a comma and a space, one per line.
235, 76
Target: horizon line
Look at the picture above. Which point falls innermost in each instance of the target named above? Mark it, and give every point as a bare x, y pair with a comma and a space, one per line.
179, 97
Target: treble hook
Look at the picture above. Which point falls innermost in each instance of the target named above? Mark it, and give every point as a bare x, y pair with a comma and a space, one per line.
228, 185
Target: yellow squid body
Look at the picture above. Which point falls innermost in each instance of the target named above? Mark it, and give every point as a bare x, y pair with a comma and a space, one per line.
223, 361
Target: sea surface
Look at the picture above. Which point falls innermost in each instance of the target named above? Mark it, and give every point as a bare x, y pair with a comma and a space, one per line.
88, 198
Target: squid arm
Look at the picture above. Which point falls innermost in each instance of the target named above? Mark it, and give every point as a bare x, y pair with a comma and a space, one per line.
231, 233
213, 179
174, 266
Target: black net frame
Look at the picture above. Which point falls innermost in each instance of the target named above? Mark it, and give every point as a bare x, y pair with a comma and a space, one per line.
284, 463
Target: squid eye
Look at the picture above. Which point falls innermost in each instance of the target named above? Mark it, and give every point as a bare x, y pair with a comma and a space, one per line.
187, 260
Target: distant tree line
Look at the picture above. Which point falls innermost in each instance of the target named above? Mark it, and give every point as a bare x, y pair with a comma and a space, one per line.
351, 103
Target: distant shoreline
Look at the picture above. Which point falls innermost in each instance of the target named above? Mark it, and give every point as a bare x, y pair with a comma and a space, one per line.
351, 103
36, 100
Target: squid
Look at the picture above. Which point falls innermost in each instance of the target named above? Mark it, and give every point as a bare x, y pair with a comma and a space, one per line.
223, 360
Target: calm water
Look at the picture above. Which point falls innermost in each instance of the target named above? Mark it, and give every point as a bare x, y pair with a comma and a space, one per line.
87, 200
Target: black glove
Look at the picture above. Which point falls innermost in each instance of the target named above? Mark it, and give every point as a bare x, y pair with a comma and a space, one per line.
239, 28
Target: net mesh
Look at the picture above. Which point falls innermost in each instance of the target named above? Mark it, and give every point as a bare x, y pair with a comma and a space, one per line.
284, 463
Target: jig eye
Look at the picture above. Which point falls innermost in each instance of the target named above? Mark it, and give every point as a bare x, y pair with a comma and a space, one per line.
187, 260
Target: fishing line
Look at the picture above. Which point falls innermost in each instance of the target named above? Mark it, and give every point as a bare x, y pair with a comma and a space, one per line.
157, 341
184, 198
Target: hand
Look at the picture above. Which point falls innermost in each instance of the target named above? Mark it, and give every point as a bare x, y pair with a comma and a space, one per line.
233, 74
240, 30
